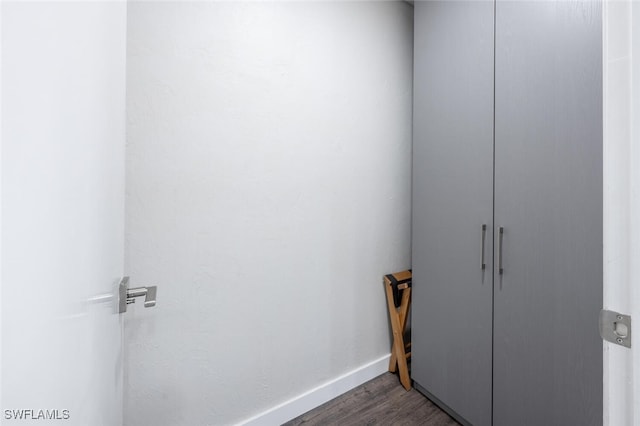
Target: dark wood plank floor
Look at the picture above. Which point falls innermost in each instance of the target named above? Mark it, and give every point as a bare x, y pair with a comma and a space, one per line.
381, 401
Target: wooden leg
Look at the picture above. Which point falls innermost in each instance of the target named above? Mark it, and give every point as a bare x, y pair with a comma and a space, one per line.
404, 309
398, 341
389, 292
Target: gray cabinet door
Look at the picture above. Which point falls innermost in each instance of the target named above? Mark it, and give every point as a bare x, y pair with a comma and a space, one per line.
548, 198
452, 200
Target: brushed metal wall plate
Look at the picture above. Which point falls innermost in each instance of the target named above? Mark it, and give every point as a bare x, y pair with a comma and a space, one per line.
615, 328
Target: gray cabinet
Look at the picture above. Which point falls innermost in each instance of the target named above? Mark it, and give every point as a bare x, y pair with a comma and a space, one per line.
508, 135
452, 201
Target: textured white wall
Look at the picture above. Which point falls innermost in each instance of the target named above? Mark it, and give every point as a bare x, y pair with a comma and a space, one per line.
268, 191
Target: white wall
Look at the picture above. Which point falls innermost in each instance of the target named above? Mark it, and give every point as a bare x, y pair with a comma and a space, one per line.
1, 143
62, 215
268, 191
622, 204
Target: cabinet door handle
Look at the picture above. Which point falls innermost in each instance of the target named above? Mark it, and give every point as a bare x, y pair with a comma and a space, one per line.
500, 269
484, 235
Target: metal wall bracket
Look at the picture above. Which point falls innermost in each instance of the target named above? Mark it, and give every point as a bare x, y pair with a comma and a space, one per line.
615, 328
126, 295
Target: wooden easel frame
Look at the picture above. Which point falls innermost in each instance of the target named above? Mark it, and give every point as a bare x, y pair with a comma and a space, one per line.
400, 284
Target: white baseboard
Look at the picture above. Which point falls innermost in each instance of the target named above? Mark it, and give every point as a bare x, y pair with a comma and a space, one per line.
325, 392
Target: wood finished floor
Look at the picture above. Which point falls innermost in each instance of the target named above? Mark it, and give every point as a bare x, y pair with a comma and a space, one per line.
381, 401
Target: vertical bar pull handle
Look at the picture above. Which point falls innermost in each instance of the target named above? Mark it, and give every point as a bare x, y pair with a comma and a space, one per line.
500, 269
484, 235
